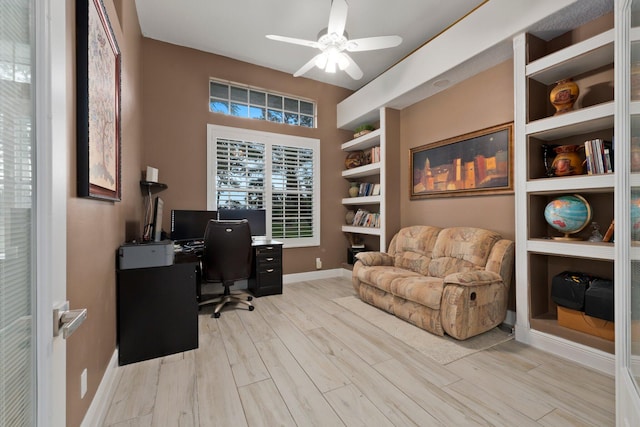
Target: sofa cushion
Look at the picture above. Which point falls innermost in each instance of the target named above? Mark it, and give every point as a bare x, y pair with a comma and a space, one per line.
461, 249
382, 276
412, 248
423, 290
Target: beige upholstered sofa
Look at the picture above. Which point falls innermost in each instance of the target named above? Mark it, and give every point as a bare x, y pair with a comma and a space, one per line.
454, 280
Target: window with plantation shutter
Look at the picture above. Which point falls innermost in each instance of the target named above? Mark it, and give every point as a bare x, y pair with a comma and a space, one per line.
261, 170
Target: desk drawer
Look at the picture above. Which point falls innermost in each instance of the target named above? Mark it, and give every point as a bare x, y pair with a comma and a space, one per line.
268, 263
269, 275
269, 251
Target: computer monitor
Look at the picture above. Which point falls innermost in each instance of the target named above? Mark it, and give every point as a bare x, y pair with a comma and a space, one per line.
188, 225
156, 225
257, 219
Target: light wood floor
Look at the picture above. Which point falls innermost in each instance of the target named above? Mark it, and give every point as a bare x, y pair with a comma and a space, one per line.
299, 359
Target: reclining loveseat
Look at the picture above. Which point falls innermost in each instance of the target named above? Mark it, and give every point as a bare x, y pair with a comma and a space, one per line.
451, 280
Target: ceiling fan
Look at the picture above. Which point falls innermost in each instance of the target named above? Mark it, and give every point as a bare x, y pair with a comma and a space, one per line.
334, 44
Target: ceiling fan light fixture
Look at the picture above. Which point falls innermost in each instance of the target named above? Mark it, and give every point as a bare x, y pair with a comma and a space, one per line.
333, 41
331, 66
321, 60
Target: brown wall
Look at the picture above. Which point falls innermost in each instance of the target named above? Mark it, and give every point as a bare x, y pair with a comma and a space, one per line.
482, 101
95, 229
175, 118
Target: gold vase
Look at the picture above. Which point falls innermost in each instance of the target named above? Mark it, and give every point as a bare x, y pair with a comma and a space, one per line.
567, 161
564, 95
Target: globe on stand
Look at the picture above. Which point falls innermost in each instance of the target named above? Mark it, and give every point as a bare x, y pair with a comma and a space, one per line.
568, 215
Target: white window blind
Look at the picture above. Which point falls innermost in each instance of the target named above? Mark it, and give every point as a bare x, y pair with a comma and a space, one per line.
17, 357
262, 170
292, 180
240, 177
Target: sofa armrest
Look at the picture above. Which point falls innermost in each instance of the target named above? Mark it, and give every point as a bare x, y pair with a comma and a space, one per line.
375, 258
473, 278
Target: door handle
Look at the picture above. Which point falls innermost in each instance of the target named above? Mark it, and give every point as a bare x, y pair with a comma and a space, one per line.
66, 320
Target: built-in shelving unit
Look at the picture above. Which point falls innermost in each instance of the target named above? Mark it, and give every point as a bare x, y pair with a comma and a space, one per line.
539, 257
383, 172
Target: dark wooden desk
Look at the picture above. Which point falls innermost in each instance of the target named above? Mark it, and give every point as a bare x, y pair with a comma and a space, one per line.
157, 311
266, 269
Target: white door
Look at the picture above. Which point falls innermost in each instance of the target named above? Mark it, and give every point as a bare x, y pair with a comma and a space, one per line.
33, 186
627, 278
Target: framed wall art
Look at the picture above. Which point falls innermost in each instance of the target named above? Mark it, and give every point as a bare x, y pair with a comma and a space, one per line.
98, 103
472, 164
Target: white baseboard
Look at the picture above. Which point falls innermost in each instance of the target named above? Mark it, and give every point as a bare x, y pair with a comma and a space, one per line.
100, 403
311, 275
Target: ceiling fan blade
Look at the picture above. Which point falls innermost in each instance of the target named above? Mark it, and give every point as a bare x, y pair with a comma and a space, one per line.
293, 40
373, 43
352, 68
337, 17
306, 67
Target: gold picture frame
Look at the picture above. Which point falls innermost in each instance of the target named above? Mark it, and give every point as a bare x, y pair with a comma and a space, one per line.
476, 163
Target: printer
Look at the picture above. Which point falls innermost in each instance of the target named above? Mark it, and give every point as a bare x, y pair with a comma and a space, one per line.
145, 255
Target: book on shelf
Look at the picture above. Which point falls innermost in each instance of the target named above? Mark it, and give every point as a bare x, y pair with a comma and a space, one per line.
368, 189
598, 156
364, 218
374, 154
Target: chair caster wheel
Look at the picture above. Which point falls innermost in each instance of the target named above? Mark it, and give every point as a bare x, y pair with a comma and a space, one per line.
251, 308
216, 315
249, 298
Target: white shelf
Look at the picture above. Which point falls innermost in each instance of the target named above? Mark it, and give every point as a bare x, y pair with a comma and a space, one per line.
374, 231
367, 200
584, 120
584, 183
575, 249
573, 60
361, 171
363, 142
537, 255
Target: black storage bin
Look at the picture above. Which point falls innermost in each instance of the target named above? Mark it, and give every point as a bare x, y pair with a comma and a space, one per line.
598, 299
568, 289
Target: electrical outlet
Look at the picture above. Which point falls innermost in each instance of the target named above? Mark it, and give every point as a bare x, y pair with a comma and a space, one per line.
318, 263
83, 383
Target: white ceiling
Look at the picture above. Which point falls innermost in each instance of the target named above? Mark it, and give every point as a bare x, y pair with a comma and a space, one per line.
237, 28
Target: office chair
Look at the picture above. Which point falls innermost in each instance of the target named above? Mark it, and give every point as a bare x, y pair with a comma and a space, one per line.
227, 258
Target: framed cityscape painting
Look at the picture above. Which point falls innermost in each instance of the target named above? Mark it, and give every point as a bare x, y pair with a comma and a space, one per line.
476, 163
98, 103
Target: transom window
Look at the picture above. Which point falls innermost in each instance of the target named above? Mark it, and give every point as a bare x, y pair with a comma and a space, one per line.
244, 101
261, 170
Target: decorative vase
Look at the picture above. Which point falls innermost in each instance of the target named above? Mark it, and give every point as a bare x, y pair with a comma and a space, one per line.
567, 161
564, 95
349, 217
354, 189
354, 159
